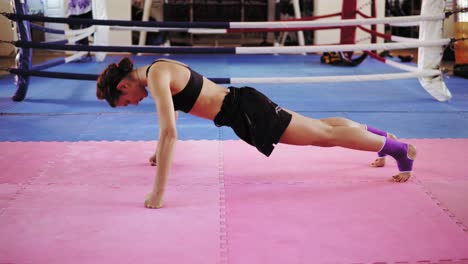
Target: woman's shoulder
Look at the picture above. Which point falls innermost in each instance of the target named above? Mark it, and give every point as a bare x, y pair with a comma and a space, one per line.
168, 65
171, 61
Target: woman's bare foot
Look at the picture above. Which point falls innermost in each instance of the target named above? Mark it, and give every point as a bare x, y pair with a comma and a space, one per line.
404, 176
380, 161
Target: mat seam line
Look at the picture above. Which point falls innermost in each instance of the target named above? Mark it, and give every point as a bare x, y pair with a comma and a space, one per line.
441, 206
31, 181
223, 239
422, 261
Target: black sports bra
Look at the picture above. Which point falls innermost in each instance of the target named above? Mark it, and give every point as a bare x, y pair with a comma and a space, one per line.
185, 99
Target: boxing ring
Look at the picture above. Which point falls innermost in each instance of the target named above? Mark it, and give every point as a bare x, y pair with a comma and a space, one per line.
430, 45
75, 171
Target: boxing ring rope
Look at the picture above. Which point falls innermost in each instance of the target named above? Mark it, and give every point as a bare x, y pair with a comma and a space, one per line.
232, 50
70, 40
237, 80
58, 61
427, 72
70, 32
261, 50
300, 25
46, 30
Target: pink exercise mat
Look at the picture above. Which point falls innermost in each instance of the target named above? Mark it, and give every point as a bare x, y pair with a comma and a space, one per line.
83, 203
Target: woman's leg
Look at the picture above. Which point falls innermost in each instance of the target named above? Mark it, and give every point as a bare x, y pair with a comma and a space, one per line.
308, 131
340, 121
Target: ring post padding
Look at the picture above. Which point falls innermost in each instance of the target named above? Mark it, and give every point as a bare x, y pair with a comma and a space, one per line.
146, 15
102, 33
429, 58
24, 54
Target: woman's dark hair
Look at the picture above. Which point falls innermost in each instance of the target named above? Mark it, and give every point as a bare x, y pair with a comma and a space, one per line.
107, 82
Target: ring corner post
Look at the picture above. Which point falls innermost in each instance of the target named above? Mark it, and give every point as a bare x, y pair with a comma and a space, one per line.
429, 58
23, 58
461, 32
102, 34
348, 34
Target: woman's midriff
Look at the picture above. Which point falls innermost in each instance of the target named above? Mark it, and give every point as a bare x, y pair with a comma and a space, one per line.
210, 100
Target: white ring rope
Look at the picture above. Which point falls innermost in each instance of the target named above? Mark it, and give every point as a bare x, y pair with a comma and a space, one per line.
335, 48
76, 38
400, 21
403, 39
75, 56
337, 23
410, 24
340, 78
74, 32
189, 30
402, 66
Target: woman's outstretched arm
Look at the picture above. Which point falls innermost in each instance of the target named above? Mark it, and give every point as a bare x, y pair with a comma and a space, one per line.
159, 86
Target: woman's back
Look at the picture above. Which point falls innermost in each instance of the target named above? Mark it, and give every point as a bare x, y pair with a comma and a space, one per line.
209, 101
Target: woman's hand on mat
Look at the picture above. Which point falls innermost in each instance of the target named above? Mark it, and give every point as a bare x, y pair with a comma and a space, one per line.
153, 201
152, 160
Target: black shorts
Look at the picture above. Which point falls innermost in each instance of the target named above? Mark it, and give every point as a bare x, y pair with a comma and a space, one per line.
253, 117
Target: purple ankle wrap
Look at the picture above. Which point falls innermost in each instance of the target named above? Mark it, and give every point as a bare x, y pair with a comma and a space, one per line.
376, 131
380, 133
399, 151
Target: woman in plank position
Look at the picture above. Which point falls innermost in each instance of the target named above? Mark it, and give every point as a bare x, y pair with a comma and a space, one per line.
253, 117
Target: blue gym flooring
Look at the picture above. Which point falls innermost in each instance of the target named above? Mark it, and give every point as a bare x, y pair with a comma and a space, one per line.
67, 110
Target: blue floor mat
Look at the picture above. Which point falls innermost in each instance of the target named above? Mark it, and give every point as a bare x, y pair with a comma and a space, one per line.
67, 110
